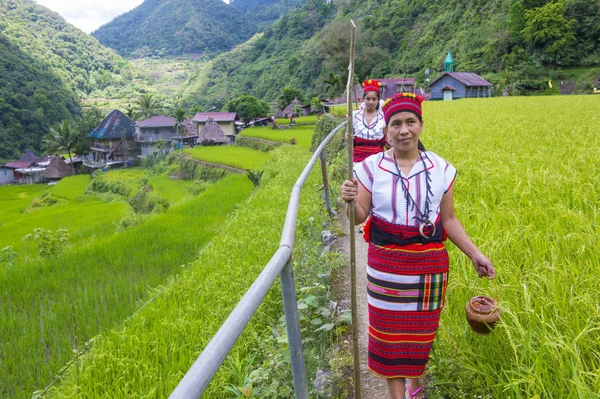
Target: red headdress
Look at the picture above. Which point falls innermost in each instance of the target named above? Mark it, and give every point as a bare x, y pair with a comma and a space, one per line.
402, 102
372, 85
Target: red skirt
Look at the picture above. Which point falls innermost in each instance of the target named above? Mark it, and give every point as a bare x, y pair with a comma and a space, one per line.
365, 148
406, 288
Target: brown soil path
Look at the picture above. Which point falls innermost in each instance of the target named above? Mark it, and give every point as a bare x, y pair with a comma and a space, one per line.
372, 387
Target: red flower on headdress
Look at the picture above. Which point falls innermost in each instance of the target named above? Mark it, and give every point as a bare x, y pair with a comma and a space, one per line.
372, 85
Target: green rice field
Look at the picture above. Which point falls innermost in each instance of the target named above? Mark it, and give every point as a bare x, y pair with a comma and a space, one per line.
308, 119
302, 134
527, 192
237, 157
58, 304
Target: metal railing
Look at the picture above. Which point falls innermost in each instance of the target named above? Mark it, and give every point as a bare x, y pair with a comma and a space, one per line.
206, 365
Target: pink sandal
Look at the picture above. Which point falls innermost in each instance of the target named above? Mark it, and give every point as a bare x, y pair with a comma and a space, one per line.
413, 393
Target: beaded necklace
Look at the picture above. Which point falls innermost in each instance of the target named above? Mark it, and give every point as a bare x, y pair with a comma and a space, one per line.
423, 217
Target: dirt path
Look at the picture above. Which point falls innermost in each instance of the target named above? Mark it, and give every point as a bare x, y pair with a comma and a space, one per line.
372, 387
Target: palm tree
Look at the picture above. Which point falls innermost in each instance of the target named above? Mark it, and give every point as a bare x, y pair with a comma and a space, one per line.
179, 115
332, 84
61, 138
147, 106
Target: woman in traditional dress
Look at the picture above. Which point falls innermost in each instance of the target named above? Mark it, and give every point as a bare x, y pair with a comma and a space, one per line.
368, 123
409, 197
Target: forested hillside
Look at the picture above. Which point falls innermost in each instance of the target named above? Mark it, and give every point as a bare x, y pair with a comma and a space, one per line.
173, 27
517, 44
79, 60
46, 67
265, 12
32, 97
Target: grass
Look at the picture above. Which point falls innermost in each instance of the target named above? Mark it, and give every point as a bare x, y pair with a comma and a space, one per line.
15, 199
302, 134
527, 193
57, 305
148, 355
71, 187
308, 119
237, 157
85, 218
173, 190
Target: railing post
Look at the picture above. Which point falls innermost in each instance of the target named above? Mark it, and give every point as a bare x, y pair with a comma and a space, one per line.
292, 322
326, 184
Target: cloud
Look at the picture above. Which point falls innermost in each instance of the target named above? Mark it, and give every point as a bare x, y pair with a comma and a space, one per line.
89, 15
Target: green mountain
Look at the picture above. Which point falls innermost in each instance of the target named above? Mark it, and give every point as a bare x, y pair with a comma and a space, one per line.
516, 44
46, 66
174, 27
265, 12
81, 62
32, 98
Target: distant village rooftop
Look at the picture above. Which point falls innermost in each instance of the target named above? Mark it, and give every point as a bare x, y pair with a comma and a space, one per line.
157, 121
202, 117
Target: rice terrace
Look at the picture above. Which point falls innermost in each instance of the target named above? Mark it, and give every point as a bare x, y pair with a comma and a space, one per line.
276, 199
527, 186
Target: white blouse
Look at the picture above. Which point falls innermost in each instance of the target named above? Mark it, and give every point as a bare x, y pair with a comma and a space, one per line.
379, 175
368, 131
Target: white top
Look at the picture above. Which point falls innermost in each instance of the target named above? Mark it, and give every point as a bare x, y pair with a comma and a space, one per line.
368, 131
379, 175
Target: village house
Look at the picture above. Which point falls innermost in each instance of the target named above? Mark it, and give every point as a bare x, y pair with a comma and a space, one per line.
295, 108
114, 141
57, 169
156, 134
7, 175
225, 121
454, 85
27, 170
212, 134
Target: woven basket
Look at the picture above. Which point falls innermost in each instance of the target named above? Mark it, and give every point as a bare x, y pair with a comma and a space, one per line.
483, 313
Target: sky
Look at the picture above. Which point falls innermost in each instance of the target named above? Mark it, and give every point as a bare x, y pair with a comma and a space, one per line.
89, 15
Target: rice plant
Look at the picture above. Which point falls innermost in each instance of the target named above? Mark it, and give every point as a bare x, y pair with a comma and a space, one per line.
237, 157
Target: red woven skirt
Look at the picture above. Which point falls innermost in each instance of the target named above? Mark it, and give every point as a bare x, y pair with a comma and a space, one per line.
406, 290
365, 148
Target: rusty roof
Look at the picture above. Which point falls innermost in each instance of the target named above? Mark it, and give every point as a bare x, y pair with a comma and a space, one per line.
113, 127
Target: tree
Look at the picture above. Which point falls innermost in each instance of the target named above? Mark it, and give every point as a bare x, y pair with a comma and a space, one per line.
179, 115
288, 95
82, 127
333, 83
247, 107
147, 106
548, 29
130, 112
61, 138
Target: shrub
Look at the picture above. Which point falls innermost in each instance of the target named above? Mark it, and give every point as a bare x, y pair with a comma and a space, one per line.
49, 244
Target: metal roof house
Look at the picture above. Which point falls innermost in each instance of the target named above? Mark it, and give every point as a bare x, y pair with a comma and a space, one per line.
455, 85
108, 147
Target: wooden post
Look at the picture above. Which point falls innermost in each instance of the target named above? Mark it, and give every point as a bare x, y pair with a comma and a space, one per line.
350, 141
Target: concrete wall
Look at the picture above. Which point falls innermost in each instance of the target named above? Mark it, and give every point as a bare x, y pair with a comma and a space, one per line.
156, 133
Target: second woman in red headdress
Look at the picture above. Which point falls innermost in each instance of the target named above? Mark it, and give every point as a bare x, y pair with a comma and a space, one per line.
368, 123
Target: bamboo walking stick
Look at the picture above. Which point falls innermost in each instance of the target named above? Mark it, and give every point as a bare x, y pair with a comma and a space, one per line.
351, 218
